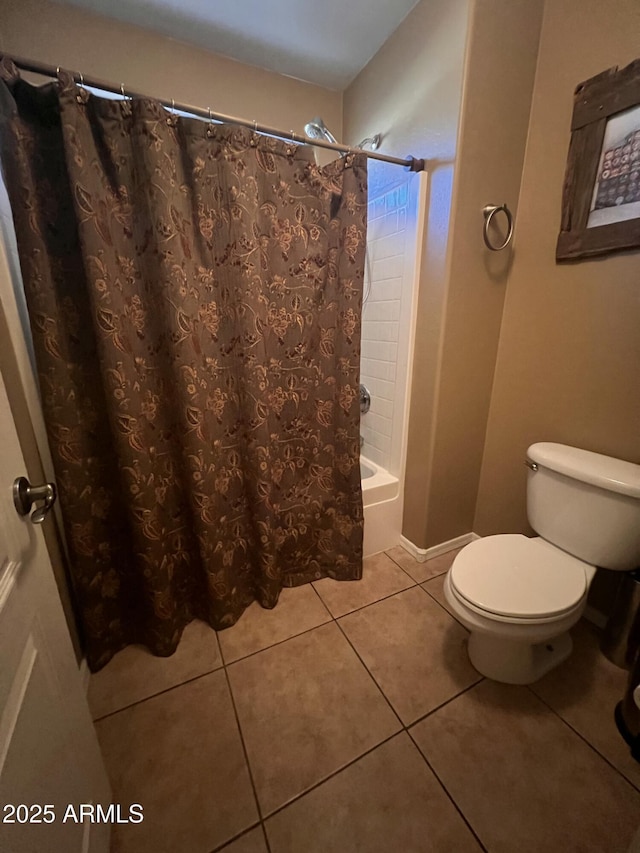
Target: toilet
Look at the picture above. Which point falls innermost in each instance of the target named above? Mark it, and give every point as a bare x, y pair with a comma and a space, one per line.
518, 595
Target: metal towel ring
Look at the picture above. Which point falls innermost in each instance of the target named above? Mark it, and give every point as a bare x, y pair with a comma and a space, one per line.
489, 211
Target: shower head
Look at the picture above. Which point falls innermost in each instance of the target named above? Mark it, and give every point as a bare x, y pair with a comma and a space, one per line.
317, 129
371, 142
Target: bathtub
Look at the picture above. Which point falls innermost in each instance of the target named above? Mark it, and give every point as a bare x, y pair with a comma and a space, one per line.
382, 503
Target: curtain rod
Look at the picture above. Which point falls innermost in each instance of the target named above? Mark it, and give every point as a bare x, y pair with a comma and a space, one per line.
411, 164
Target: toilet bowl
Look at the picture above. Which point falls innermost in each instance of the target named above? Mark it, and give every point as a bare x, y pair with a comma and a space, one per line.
520, 595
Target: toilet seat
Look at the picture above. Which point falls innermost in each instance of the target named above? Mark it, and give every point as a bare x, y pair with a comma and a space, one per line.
511, 577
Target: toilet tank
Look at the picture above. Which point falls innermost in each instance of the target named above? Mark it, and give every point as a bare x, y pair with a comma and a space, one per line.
585, 503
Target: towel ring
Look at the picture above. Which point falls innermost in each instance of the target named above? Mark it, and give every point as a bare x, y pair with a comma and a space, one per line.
489, 212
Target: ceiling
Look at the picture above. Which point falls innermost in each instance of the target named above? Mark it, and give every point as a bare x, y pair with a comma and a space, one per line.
326, 42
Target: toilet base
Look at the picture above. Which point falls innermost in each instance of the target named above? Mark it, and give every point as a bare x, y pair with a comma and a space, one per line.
511, 662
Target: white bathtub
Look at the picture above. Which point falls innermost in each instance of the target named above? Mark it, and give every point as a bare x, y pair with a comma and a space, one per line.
382, 502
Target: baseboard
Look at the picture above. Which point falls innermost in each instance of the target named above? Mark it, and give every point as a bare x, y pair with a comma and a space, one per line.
422, 554
85, 675
595, 616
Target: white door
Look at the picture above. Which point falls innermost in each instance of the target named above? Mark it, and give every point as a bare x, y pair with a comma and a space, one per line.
49, 755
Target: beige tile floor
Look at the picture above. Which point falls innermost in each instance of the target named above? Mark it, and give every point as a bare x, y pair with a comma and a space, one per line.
349, 719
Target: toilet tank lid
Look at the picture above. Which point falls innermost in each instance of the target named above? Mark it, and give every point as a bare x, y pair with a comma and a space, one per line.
615, 475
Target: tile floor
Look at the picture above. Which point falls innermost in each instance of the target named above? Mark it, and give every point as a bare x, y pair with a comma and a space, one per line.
349, 719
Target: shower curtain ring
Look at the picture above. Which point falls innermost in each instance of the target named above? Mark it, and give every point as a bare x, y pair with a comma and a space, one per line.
210, 125
291, 149
83, 96
122, 90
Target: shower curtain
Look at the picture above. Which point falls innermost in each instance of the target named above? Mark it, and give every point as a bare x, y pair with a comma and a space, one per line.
194, 293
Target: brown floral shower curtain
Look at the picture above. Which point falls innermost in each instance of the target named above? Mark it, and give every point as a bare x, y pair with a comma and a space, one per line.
194, 293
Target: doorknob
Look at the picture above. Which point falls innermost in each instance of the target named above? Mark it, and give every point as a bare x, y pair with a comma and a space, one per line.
25, 495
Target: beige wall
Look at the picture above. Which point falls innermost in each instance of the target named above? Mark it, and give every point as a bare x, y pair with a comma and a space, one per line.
568, 366
411, 93
499, 74
160, 66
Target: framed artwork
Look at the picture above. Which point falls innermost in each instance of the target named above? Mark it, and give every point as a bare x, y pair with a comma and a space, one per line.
601, 196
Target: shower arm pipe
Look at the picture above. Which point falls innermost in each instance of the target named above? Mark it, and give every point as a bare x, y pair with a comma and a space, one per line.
412, 164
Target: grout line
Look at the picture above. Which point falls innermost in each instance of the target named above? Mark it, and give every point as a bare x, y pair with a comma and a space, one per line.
218, 646
583, 737
370, 674
404, 728
446, 702
280, 642
159, 693
431, 577
377, 601
332, 774
266, 837
406, 571
224, 664
330, 615
332, 618
446, 791
246, 756
321, 600
221, 847
440, 604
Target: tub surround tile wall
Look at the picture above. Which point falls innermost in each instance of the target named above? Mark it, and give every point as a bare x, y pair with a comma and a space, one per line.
388, 281
396, 221
359, 734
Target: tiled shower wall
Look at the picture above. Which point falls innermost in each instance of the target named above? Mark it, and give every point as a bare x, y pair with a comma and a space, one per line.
387, 283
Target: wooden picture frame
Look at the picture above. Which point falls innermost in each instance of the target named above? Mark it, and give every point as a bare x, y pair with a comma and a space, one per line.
600, 200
